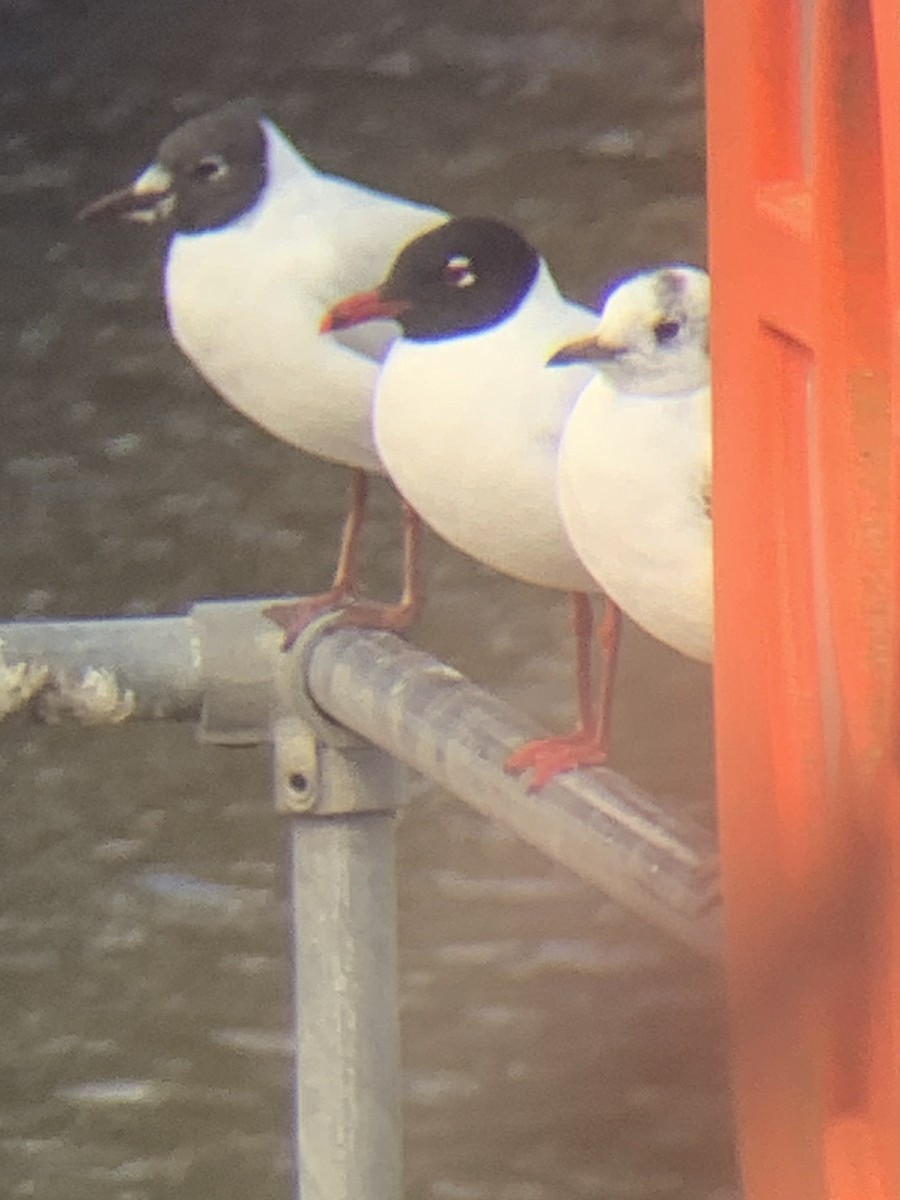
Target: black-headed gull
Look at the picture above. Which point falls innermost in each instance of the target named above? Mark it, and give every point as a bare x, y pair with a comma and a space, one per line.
262, 245
635, 461
467, 421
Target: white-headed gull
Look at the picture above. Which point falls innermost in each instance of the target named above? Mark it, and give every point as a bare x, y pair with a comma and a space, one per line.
635, 461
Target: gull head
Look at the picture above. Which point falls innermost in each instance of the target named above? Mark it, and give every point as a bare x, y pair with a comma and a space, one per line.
207, 173
653, 333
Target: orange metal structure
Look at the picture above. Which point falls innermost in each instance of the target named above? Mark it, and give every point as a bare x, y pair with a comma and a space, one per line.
804, 204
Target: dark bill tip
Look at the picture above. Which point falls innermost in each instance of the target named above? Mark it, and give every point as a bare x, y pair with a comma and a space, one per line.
125, 204
586, 350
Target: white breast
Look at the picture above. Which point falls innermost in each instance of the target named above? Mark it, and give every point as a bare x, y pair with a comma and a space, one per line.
469, 427
245, 303
633, 480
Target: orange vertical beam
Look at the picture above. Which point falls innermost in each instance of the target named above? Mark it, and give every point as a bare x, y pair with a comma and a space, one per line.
885, 1075
853, 402
804, 196
769, 726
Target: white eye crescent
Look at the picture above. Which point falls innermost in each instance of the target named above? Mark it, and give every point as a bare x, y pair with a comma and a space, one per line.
209, 168
458, 271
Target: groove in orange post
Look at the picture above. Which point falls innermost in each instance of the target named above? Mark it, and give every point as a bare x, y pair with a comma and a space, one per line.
885, 1074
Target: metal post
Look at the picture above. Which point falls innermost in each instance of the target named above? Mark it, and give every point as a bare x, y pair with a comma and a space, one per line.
224, 664
341, 801
650, 858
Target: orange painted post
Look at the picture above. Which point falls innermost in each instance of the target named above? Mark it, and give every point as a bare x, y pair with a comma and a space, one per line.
804, 209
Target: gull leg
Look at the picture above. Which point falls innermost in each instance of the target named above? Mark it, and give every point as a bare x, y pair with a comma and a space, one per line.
294, 616
588, 743
400, 616
344, 581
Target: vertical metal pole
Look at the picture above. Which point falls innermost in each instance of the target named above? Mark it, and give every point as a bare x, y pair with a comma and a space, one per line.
341, 801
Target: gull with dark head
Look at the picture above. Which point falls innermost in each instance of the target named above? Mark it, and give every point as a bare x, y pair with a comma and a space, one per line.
262, 245
635, 460
467, 420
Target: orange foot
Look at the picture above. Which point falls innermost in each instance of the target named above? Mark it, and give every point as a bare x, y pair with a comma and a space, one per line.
395, 617
550, 756
294, 617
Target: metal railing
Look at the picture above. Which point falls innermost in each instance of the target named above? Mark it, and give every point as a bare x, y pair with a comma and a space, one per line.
346, 712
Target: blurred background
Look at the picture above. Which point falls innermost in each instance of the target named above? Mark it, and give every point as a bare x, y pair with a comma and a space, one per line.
555, 1048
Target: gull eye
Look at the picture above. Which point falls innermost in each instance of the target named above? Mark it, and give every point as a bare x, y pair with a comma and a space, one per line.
458, 272
210, 168
665, 331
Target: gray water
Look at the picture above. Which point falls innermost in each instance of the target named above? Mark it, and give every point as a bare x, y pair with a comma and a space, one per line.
554, 1046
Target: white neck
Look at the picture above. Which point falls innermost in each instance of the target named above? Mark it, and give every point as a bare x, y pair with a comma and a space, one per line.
284, 160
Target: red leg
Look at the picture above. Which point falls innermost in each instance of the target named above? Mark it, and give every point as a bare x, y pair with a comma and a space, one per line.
345, 573
609, 635
588, 744
294, 617
400, 616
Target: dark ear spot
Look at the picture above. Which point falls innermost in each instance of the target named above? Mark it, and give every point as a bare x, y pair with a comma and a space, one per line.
670, 287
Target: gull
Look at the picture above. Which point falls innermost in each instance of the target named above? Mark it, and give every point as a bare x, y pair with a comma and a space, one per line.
467, 420
262, 245
635, 460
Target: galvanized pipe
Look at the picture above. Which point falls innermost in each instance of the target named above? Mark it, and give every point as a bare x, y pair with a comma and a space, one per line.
223, 665
604, 828
155, 659
346, 1004
346, 996
223, 661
